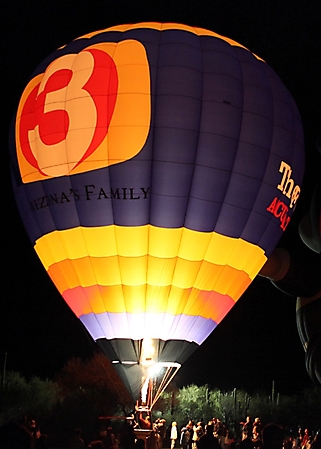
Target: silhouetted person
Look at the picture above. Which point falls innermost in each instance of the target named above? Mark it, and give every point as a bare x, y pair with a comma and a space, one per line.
152, 440
316, 443
127, 435
95, 445
174, 434
272, 436
16, 435
140, 444
246, 443
208, 440
305, 438
40, 440
76, 442
185, 437
145, 423
109, 440
161, 430
247, 428
257, 431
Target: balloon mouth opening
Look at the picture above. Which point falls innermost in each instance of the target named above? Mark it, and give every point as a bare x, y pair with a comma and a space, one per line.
155, 378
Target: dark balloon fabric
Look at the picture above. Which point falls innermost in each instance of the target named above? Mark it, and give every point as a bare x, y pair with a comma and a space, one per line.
155, 167
308, 322
303, 279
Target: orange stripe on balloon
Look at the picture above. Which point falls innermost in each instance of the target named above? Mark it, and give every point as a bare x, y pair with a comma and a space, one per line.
131, 272
164, 27
209, 305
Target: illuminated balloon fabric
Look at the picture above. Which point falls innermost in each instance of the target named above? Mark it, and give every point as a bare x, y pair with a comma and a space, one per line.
156, 167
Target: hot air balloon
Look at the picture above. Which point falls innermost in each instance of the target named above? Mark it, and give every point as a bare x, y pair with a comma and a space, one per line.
155, 167
309, 308
297, 272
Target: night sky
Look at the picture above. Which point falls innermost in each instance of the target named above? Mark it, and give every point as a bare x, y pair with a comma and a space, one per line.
258, 341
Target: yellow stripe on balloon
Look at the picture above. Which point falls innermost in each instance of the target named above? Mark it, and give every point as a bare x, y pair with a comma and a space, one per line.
163, 243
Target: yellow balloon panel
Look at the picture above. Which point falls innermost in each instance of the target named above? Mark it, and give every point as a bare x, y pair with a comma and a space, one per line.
133, 281
161, 243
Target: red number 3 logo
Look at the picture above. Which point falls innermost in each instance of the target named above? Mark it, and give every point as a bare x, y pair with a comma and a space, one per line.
88, 110
73, 105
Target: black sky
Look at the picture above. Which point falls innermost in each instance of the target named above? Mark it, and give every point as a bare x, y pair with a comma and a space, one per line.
258, 341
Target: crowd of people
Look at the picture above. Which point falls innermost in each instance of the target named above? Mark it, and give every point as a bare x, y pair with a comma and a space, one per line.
215, 435
23, 433
212, 435
145, 434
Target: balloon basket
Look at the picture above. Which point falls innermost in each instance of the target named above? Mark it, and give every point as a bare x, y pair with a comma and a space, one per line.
142, 434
